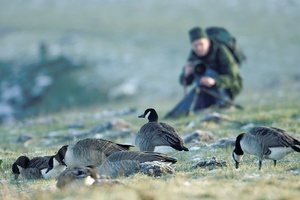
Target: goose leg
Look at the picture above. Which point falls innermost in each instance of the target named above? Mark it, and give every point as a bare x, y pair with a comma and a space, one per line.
259, 164
275, 162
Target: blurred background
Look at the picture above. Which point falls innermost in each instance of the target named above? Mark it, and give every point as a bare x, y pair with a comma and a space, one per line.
61, 54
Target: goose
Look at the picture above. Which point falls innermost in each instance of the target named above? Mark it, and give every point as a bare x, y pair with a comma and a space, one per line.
75, 177
86, 152
154, 134
264, 142
125, 163
34, 168
55, 167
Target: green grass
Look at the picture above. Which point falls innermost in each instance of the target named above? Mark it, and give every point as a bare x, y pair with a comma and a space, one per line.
208, 183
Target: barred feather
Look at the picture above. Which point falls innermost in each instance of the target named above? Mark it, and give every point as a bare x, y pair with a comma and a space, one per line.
126, 163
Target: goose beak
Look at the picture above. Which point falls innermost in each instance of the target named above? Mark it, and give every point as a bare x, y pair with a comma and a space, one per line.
237, 159
63, 163
16, 176
48, 169
141, 116
237, 164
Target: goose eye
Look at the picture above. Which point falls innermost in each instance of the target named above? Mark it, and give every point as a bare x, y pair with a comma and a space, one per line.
80, 172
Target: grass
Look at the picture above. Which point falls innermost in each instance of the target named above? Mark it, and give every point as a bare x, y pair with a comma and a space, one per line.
208, 183
118, 38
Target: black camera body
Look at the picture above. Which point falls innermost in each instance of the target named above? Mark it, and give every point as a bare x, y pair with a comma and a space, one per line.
200, 67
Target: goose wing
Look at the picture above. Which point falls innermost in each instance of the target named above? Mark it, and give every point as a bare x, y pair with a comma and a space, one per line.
140, 156
105, 146
171, 135
170, 130
161, 134
39, 162
127, 162
273, 137
32, 173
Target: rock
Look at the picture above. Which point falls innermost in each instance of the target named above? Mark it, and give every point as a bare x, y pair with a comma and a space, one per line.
223, 142
127, 88
214, 162
76, 126
215, 117
23, 138
101, 127
120, 123
247, 126
114, 113
198, 136
115, 123
156, 168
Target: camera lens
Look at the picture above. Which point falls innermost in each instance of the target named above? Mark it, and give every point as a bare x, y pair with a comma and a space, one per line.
199, 68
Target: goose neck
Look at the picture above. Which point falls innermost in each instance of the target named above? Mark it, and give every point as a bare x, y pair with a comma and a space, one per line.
238, 148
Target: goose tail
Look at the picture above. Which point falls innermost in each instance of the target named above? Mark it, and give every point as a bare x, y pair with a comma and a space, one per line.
184, 148
125, 146
180, 148
296, 148
296, 142
170, 160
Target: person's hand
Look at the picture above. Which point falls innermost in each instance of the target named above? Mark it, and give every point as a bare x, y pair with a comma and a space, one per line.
188, 69
207, 81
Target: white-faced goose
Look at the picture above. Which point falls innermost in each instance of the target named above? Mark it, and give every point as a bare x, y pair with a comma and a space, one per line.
154, 134
125, 163
55, 167
34, 168
86, 152
76, 177
264, 142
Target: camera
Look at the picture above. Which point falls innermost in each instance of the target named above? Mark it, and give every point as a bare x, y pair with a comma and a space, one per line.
199, 67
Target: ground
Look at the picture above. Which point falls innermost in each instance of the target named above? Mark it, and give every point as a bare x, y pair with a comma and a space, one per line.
147, 41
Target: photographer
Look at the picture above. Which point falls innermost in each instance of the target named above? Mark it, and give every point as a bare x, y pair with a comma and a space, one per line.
213, 69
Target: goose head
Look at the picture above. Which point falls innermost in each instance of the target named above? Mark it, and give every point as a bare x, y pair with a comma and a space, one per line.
21, 163
150, 114
76, 177
57, 159
238, 153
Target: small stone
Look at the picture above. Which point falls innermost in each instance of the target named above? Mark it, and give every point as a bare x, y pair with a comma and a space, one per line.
214, 162
215, 117
223, 142
198, 136
23, 138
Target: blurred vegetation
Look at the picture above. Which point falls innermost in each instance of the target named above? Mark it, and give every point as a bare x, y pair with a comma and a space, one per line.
45, 86
147, 42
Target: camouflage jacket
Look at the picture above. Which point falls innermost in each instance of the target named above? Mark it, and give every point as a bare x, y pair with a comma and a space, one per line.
222, 61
